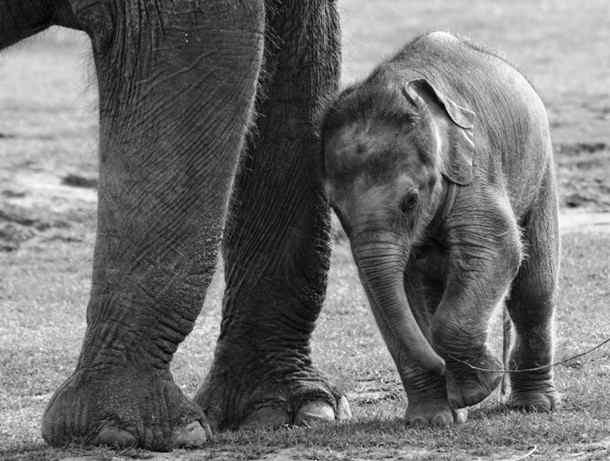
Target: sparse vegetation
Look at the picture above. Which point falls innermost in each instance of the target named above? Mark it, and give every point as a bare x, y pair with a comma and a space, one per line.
48, 131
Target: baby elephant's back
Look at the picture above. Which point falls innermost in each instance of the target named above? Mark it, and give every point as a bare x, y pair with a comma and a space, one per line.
511, 129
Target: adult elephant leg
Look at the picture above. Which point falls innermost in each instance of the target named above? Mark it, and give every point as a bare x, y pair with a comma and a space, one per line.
177, 82
276, 243
531, 305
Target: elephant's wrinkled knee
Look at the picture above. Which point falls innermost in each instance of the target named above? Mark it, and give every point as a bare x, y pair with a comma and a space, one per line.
447, 334
512, 255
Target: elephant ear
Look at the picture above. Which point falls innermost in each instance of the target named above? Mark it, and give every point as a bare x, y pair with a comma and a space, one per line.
452, 125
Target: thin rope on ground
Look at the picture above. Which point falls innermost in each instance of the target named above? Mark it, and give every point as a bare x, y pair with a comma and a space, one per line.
527, 455
525, 370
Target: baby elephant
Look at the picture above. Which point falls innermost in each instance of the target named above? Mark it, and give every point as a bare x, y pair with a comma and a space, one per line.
440, 168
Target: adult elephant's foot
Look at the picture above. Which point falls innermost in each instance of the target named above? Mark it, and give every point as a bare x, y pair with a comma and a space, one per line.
437, 414
263, 397
123, 408
471, 379
275, 412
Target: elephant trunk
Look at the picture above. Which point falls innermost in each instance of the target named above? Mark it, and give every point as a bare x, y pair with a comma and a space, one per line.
381, 267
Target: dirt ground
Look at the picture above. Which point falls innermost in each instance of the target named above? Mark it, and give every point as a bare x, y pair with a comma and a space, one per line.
48, 179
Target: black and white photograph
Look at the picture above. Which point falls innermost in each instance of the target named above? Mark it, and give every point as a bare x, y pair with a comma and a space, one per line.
305, 230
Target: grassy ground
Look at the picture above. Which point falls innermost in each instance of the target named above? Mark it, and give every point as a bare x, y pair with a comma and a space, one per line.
47, 146
44, 285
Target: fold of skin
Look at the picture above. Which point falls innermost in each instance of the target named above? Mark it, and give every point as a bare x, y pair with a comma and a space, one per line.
381, 267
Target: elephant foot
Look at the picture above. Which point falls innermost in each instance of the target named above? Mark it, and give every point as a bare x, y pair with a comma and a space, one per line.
535, 398
467, 386
436, 414
126, 408
271, 415
304, 399
532, 390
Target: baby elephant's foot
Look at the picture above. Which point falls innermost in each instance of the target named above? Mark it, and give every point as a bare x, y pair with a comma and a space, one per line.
531, 394
437, 414
468, 386
534, 401
531, 390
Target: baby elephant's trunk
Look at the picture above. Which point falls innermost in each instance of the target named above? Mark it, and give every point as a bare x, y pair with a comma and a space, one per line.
381, 266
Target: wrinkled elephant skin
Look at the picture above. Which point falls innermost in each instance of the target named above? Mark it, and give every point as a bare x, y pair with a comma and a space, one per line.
440, 168
178, 85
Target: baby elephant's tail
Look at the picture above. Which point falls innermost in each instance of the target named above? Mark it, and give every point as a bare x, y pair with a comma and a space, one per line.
507, 328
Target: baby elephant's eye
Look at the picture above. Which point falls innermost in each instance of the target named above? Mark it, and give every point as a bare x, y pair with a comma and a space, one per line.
409, 202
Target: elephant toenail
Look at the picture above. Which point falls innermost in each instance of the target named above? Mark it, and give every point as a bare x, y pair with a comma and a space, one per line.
266, 417
460, 416
313, 413
191, 436
115, 437
344, 412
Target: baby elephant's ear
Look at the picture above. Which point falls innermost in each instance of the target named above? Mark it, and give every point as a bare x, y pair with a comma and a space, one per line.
453, 126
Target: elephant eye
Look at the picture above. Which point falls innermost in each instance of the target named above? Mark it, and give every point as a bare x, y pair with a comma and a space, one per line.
409, 202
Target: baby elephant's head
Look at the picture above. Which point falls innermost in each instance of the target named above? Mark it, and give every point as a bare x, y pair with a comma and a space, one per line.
387, 146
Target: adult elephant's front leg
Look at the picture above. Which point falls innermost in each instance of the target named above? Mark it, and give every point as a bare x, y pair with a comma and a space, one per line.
177, 84
276, 244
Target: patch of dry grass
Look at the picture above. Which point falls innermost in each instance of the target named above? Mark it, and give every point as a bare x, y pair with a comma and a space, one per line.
44, 286
561, 46
48, 130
